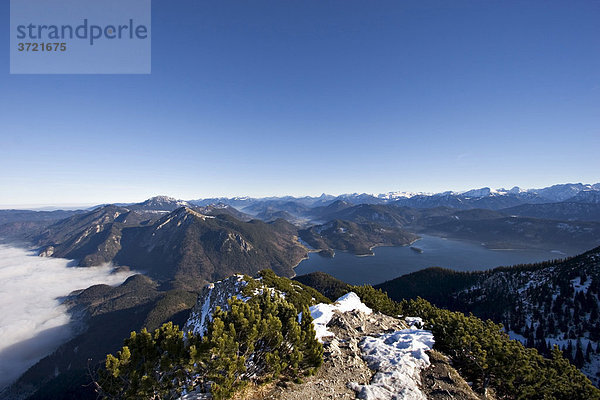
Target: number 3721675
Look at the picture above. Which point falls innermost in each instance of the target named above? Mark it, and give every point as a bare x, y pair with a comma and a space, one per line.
41, 46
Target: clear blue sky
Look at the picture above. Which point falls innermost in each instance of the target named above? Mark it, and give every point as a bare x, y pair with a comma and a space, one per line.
265, 98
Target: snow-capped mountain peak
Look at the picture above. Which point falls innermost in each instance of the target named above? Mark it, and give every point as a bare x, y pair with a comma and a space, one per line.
483, 192
401, 195
160, 203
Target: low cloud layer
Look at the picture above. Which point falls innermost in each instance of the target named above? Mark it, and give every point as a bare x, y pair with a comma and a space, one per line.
33, 323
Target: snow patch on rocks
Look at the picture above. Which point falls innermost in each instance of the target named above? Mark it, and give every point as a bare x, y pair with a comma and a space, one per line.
398, 359
414, 322
322, 313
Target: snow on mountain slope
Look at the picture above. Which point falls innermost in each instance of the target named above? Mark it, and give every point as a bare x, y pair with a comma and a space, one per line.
555, 193
159, 203
483, 192
213, 295
545, 305
398, 358
401, 195
511, 197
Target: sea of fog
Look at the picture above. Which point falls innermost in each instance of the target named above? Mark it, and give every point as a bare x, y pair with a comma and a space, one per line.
392, 262
33, 322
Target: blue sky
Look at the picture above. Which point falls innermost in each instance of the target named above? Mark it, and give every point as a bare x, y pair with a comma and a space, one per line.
276, 97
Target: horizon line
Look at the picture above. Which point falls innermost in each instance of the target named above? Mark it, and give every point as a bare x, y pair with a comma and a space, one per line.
87, 205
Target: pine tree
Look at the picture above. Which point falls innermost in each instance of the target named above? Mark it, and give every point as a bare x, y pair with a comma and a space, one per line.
539, 333
312, 349
147, 366
551, 325
579, 359
565, 381
542, 347
588, 352
570, 351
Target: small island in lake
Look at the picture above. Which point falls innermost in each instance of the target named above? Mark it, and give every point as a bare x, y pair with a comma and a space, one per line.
327, 253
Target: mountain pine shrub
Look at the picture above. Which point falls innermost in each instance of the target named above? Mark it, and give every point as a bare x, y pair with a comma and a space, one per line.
258, 340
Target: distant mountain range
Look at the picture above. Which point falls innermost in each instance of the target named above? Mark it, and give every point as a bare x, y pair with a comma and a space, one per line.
264, 231
475, 198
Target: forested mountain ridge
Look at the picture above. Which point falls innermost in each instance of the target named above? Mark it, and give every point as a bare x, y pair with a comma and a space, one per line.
189, 249
183, 248
542, 304
356, 238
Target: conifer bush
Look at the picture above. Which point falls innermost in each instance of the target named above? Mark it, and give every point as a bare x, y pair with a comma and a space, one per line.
258, 340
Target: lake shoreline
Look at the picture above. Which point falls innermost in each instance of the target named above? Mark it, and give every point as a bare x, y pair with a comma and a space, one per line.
394, 261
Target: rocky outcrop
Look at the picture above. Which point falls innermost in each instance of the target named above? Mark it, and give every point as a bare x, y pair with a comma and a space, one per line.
367, 355
212, 296
345, 372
